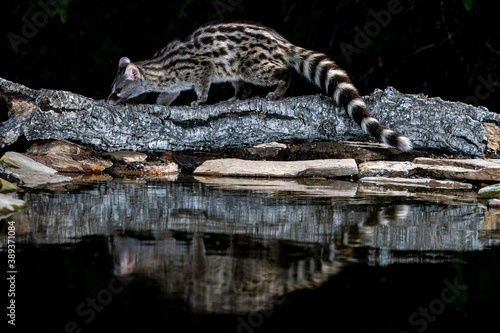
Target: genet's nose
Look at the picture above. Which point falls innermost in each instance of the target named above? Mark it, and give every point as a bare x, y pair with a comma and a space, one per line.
110, 99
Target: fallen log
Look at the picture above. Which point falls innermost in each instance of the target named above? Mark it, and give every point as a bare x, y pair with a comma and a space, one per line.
428, 122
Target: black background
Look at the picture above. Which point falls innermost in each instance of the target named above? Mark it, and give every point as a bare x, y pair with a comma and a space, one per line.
449, 49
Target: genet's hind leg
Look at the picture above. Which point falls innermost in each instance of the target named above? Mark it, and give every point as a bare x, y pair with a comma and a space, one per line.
283, 78
242, 90
267, 73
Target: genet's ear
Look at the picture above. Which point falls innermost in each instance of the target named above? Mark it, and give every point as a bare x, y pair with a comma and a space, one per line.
132, 72
123, 61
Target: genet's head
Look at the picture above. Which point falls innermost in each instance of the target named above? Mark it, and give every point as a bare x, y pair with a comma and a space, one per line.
128, 83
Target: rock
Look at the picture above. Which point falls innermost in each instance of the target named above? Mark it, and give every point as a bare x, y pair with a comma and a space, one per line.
160, 170
386, 169
29, 172
57, 147
468, 169
462, 169
488, 192
276, 145
493, 136
266, 150
34, 179
9, 205
419, 182
65, 156
126, 156
146, 170
6, 186
12, 160
494, 203
311, 168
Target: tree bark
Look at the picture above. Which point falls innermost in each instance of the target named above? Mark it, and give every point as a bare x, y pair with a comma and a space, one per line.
50, 114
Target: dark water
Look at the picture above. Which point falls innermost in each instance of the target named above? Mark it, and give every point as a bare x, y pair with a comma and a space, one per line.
243, 255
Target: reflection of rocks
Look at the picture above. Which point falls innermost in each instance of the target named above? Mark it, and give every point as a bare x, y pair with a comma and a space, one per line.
6, 186
439, 191
427, 183
233, 243
223, 274
304, 187
9, 205
492, 222
262, 211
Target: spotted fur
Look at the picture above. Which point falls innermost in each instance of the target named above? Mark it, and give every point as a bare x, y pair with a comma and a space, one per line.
242, 53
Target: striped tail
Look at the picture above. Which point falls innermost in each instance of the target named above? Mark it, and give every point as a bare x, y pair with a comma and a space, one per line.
326, 74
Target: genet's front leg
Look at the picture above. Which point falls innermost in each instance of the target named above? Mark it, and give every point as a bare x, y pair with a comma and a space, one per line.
282, 77
201, 89
202, 82
167, 98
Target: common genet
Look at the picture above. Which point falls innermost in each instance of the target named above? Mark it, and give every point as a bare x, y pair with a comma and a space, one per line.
242, 53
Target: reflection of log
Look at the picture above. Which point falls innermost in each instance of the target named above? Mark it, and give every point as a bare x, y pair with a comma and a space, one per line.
45, 114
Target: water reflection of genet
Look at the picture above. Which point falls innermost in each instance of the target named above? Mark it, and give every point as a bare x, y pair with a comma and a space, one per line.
224, 274
378, 217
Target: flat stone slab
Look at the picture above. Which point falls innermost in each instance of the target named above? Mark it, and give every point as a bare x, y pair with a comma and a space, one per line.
150, 170
29, 172
466, 169
33, 179
469, 169
19, 161
419, 182
386, 169
329, 168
